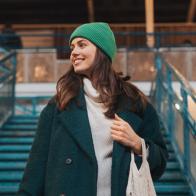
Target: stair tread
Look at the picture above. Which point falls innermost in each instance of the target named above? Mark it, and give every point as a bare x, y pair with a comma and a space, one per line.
13, 148
23, 117
16, 140
22, 121
172, 176
11, 175
13, 156
12, 165
16, 133
172, 188
19, 127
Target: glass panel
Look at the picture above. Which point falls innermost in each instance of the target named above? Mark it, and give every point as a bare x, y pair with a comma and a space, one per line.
192, 108
141, 66
178, 129
43, 65
183, 59
30, 106
6, 101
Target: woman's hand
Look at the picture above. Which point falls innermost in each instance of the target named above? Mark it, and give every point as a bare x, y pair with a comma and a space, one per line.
123, 133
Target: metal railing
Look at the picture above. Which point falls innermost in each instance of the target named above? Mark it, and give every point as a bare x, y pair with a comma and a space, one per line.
7, 85
30, 106
175, 99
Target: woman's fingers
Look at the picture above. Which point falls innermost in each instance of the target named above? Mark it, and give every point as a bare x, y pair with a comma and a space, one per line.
118, 133
118, 127
117, 117
115, 122
121, 139
123, 133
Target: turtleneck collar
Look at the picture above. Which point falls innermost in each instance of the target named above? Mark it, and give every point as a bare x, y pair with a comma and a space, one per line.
90, 91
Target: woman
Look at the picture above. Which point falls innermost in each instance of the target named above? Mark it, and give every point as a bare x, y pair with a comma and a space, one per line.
85, 134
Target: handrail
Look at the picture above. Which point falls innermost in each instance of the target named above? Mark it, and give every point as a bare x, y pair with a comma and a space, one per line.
187, 87
169, 106
7, 56
32, 107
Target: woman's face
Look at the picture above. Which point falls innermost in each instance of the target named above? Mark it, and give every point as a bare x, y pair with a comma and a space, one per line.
82, 55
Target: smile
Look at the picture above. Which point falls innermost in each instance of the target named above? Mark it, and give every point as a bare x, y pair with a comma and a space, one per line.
77, 61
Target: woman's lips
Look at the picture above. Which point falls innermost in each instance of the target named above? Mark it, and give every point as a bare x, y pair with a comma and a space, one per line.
77, 61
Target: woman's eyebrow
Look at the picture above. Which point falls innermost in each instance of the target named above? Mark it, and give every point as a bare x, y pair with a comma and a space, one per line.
83, 40
78, 42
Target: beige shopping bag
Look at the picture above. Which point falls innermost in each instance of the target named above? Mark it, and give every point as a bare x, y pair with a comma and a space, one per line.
140, 181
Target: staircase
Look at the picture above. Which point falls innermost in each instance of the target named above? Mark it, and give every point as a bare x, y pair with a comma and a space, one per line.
173, 182
16, 138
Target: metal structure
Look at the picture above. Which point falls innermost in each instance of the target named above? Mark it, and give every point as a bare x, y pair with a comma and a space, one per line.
7, 84
79, 11
172, 92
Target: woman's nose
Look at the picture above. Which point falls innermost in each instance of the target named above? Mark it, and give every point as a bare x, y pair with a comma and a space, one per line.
75, 51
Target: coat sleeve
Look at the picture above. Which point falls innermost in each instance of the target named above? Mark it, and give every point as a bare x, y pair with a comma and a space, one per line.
151, 133
32, 183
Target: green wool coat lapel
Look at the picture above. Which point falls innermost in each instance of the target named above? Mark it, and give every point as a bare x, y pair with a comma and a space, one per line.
76, 122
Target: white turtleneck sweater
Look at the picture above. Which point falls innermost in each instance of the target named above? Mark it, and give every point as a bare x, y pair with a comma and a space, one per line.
102, 140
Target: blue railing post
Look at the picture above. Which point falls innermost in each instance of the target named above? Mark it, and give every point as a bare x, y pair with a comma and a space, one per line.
14, 63
170, 113
34, 103
158, 64
186, 156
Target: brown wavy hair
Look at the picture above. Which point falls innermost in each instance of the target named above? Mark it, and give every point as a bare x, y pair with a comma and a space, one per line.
107, 82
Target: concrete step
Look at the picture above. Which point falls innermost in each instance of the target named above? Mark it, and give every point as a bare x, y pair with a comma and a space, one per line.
16, 165
23, 121
15, 148
170, 188
172, 176
13, 156
17, 133
20, 140
19, 127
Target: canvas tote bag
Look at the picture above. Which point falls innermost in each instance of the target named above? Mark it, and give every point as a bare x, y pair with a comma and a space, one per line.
140, 181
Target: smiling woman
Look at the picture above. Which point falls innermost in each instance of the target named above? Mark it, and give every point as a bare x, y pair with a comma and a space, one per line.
86, 132
82, 56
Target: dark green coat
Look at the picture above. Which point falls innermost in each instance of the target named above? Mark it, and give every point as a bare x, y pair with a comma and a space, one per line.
62, 160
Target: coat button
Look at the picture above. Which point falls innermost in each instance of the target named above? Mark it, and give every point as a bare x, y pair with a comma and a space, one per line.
68, 161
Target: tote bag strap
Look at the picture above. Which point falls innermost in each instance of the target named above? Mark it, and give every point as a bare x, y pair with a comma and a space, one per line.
144, 152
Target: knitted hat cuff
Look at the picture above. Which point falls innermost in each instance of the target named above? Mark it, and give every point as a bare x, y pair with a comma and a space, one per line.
98, 33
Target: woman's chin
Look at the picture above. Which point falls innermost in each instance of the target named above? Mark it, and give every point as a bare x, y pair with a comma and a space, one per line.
79, 71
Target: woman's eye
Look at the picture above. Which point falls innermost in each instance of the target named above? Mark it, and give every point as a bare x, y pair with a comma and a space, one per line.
82, 45
71, 48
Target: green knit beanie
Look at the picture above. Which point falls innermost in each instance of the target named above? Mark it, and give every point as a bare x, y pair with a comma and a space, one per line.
100, 34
